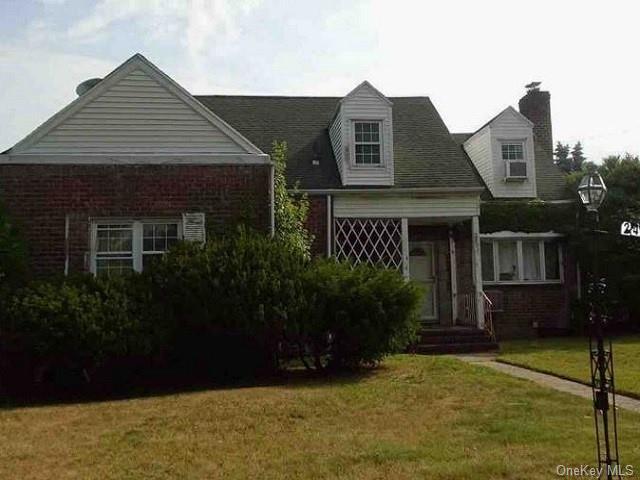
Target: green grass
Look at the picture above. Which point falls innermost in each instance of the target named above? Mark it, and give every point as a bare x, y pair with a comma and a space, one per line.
415, 417
569, 357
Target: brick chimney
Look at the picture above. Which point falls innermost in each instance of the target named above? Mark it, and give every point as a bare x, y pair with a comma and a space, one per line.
536, 106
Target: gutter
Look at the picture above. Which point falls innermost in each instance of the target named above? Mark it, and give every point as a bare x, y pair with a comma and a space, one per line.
390, 191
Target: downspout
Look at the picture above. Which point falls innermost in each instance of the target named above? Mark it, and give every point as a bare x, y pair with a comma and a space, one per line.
66, 245
272, 199
329, 222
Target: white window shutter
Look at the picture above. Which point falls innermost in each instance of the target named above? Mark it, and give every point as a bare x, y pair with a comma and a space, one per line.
193, 227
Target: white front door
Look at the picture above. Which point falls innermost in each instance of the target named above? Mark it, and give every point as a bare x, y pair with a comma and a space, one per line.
422, 270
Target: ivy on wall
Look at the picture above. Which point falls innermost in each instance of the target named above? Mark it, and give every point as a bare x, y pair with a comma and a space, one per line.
528, 216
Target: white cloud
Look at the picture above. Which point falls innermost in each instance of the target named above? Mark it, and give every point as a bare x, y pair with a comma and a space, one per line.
35, 87
195, 22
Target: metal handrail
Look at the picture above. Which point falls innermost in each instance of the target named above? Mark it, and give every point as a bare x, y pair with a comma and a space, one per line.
488, 316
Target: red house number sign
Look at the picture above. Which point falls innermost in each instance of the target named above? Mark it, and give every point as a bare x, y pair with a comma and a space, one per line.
630, 229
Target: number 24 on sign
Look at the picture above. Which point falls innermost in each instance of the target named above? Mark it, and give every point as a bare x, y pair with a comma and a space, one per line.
630, 229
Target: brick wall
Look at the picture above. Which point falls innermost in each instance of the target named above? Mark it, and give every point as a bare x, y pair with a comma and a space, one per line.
546, 305
317, 224
38, 197
531, 307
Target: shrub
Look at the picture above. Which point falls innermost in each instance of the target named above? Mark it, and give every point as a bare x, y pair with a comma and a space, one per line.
235, 306
244, 288
357, 315
13, 254
66, 330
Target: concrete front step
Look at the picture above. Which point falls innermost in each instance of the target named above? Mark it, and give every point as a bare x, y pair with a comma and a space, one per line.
439, 340
431, 339
437, 331
443, 348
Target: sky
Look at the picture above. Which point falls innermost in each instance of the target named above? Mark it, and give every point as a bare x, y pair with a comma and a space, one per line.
472, 58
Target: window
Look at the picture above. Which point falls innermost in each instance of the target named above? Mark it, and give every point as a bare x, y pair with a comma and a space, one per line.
515, 163
508, 261
487, 261
531, 268
157, 238
367, 143
114, 249
552, 260
130, 246
532, 259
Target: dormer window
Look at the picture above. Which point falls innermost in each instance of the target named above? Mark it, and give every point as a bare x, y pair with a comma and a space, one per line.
515, 162
367, 143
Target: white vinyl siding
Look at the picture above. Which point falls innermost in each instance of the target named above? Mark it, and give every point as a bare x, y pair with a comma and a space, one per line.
379, 206
485, 151
363, 105
335, 134
478, 147
136, 115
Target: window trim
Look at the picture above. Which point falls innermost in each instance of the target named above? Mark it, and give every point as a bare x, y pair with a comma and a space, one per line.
137, 245
495, 238
380, 123
507, 162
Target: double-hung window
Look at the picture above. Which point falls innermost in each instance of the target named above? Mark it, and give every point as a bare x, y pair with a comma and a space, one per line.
367, 143
515, 161
125, 246
113, 248
521, 260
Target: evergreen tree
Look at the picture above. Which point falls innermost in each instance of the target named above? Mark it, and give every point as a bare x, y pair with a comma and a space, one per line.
562, 157
577, 157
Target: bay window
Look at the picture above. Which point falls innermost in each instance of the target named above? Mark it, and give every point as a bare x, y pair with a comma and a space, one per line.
530, 259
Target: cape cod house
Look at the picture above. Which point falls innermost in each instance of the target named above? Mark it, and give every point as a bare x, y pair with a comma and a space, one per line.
136, 163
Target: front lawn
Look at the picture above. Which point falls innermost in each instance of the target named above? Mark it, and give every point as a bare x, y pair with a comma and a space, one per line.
569, 357
415, 417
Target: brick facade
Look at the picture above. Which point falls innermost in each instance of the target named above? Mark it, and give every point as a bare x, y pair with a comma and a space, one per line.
317, 224
530, 308
38, 198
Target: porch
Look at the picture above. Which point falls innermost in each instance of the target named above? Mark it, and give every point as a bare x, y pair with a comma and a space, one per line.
434, 241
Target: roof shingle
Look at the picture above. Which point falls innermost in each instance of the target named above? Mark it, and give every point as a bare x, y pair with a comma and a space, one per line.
424, 153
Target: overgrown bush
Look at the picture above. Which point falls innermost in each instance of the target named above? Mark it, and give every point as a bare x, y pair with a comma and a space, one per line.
357, 315
63, 332
244, 289
244, 304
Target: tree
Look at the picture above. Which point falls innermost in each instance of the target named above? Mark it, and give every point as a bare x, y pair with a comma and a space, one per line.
577, 157
291, 209
620, 255
12, 252
562, 157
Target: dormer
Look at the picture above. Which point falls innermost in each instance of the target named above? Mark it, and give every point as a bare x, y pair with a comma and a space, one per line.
503, 153
362, 137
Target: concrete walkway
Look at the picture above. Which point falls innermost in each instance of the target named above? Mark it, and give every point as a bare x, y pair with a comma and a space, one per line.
550, 381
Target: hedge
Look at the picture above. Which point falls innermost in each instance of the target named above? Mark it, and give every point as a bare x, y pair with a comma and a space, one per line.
243, 304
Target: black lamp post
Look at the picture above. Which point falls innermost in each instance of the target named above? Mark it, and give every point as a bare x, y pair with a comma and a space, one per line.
592, 192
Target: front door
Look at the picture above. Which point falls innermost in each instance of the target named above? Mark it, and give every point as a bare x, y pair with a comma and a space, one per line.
422, 270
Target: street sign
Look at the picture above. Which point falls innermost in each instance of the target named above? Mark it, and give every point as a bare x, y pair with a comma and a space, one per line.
630, 229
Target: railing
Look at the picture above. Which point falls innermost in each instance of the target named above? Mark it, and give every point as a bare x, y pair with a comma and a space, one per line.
488, 317
470, 313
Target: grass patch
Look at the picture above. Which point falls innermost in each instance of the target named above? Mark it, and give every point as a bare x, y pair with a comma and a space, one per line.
415, 417
569, 357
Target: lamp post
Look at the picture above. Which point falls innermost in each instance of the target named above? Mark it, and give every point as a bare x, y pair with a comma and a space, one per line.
592, 192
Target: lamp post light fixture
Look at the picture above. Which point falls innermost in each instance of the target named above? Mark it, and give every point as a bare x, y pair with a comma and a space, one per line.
592, 191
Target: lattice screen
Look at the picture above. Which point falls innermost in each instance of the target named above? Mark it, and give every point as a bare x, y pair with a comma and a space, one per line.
374, 240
